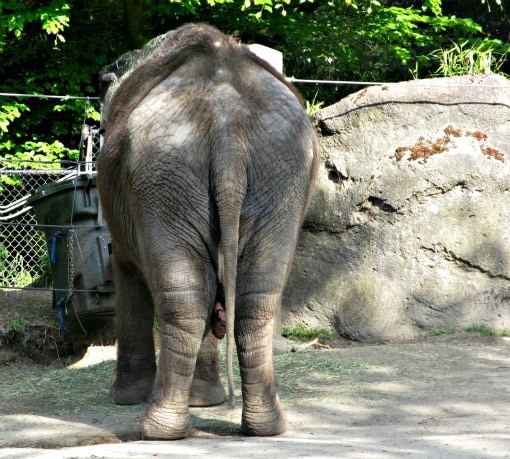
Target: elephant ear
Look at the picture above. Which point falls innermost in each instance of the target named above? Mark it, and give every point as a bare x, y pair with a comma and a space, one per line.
109, 77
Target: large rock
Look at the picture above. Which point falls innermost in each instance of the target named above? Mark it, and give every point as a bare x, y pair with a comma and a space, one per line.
409, 228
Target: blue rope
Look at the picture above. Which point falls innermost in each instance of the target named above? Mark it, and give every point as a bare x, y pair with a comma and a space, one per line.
54, 242
53, 254
61, 305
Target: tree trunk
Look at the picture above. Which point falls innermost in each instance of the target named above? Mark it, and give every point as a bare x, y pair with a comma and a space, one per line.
135, 20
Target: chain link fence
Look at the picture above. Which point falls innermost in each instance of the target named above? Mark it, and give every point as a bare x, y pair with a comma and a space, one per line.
24, 255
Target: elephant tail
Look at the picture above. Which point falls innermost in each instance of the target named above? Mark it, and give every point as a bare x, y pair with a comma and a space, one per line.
229, 255
229, 184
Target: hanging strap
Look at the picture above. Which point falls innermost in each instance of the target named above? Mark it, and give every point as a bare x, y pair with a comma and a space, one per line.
54, 242
61, 306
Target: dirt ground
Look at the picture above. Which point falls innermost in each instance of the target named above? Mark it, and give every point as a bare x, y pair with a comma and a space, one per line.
442, 396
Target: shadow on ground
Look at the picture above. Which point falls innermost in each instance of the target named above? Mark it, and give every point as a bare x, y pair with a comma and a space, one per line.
445, 396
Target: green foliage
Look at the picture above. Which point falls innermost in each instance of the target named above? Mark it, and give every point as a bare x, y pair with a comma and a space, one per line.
18, 326
444, 331
304, 333
313, 106
57, 47
43, 51
482, 329
21, 45
16, 15
9, 113
13, 271
359, 40
472, 57
32, 154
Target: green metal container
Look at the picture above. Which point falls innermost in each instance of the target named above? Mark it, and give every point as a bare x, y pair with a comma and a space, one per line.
79, 246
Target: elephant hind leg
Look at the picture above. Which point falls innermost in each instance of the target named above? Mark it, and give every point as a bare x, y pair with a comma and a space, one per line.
263, 414
181, 332
206, 388
136, 361
183, 297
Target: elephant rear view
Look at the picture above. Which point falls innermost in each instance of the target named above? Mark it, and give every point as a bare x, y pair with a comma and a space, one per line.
207, 170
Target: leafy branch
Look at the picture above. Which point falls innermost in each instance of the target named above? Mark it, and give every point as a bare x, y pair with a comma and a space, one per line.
15, 15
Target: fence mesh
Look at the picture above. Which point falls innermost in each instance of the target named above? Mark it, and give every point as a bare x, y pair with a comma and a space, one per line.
24, 259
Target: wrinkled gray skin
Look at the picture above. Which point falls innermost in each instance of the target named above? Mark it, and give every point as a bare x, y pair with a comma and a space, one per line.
207, 170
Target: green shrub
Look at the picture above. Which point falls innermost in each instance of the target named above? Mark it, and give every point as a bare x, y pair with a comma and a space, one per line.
487, 331
472, 57
13, 272
304, 333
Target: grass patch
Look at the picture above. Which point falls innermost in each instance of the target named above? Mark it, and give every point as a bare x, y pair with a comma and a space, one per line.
444, 331
62, 391
36, 390
18, 325
306, 375
311, 374
482, 329
468, 58
303, 333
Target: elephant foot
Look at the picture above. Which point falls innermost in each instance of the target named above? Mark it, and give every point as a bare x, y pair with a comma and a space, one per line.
129, 392
165, 424
264, 422
205, 393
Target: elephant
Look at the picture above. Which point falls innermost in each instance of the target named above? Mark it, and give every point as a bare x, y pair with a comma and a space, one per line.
207, 168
